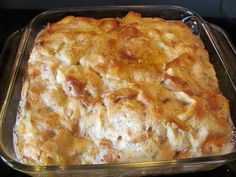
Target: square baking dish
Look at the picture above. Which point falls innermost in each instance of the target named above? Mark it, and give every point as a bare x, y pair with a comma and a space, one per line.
16, 53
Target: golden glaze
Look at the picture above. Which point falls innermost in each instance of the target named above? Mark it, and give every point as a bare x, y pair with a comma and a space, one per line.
120, 90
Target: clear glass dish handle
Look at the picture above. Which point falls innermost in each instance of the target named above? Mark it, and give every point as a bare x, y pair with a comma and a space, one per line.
7, 58
226, 50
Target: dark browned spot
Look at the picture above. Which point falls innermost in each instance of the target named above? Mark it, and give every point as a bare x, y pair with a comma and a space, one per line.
106, 142
200, 109
126, 54
133, 15
214, 141
130, 31
184, 60
149, 131
85, 19
215, 101
109, 24
27, 105
180, 124
141, 138
75, 85
182, 154
75, 129
121, 94
112, 43
76, 88
177, 84
165, 100
48, 135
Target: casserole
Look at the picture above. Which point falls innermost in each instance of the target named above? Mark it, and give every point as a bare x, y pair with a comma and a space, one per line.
199, 27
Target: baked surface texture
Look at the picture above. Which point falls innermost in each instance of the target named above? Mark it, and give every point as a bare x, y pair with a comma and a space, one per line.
120, 90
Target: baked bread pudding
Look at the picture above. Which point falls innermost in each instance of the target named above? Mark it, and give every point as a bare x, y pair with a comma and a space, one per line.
120, 90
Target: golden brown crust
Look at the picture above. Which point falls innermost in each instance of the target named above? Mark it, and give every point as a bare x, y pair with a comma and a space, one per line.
120, 90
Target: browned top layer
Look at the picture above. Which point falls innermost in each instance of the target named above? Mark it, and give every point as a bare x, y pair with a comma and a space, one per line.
120, 90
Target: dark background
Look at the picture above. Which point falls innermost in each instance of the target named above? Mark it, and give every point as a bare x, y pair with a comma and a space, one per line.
16, 14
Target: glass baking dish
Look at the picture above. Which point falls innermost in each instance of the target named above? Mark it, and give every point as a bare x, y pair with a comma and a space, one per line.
16, 53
